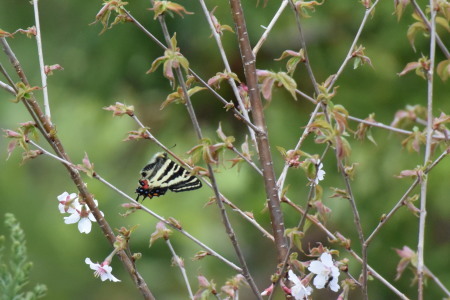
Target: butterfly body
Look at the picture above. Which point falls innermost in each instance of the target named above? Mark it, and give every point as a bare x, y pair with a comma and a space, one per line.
162, 174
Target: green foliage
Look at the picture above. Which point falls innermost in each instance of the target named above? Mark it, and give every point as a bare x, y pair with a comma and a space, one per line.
15, 270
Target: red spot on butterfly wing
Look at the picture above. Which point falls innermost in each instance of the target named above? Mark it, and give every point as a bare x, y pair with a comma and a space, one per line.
144, 184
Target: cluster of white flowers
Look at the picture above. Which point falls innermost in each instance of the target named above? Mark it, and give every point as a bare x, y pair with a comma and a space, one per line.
326, 275
81, 214
326, 272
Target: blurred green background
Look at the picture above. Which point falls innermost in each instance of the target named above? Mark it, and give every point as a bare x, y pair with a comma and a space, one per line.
102, 69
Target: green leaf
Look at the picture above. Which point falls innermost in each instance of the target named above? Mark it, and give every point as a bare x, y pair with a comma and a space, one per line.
294, 60
105, 12
288, 82
443, 22
304, 7
400, 6
161, 7
443, 69
295, 236
414, 29
24, 91
156, 63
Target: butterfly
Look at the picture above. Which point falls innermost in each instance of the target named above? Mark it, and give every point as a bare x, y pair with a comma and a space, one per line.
162, 174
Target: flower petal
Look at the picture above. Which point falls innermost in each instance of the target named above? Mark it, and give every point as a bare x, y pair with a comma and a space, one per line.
91, 217
293, 278
92, 265
320, 281
327, 260
73, 218
335, 271
62, 208
321, 174
63, 196
316, 267
112, 278
85, 225
334, 286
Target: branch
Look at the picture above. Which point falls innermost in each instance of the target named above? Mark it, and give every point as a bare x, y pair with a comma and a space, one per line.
305, 50
248, 61
437, 281
376, 124
223, 213
49, 133
269, 27
7, 88
41, 58
403, 198
353, 45
282, 178
429, 131
179, 262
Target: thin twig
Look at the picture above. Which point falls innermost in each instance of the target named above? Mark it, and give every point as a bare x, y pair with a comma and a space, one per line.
374, 124
7, 88
282, 177
357, 221
301, 223
252, 164
401, 202
352, 201
305, 50
5, 73
231, 81
275, 18
437, 281
41, 59
179, 262
429, 133
353, 45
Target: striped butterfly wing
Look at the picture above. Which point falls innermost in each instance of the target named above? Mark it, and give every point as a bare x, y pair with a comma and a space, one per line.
162, 174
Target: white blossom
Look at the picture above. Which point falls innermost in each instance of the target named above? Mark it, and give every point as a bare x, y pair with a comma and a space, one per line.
326, 272
298, 290
67, 203
320, 175
102, 270
83, 216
